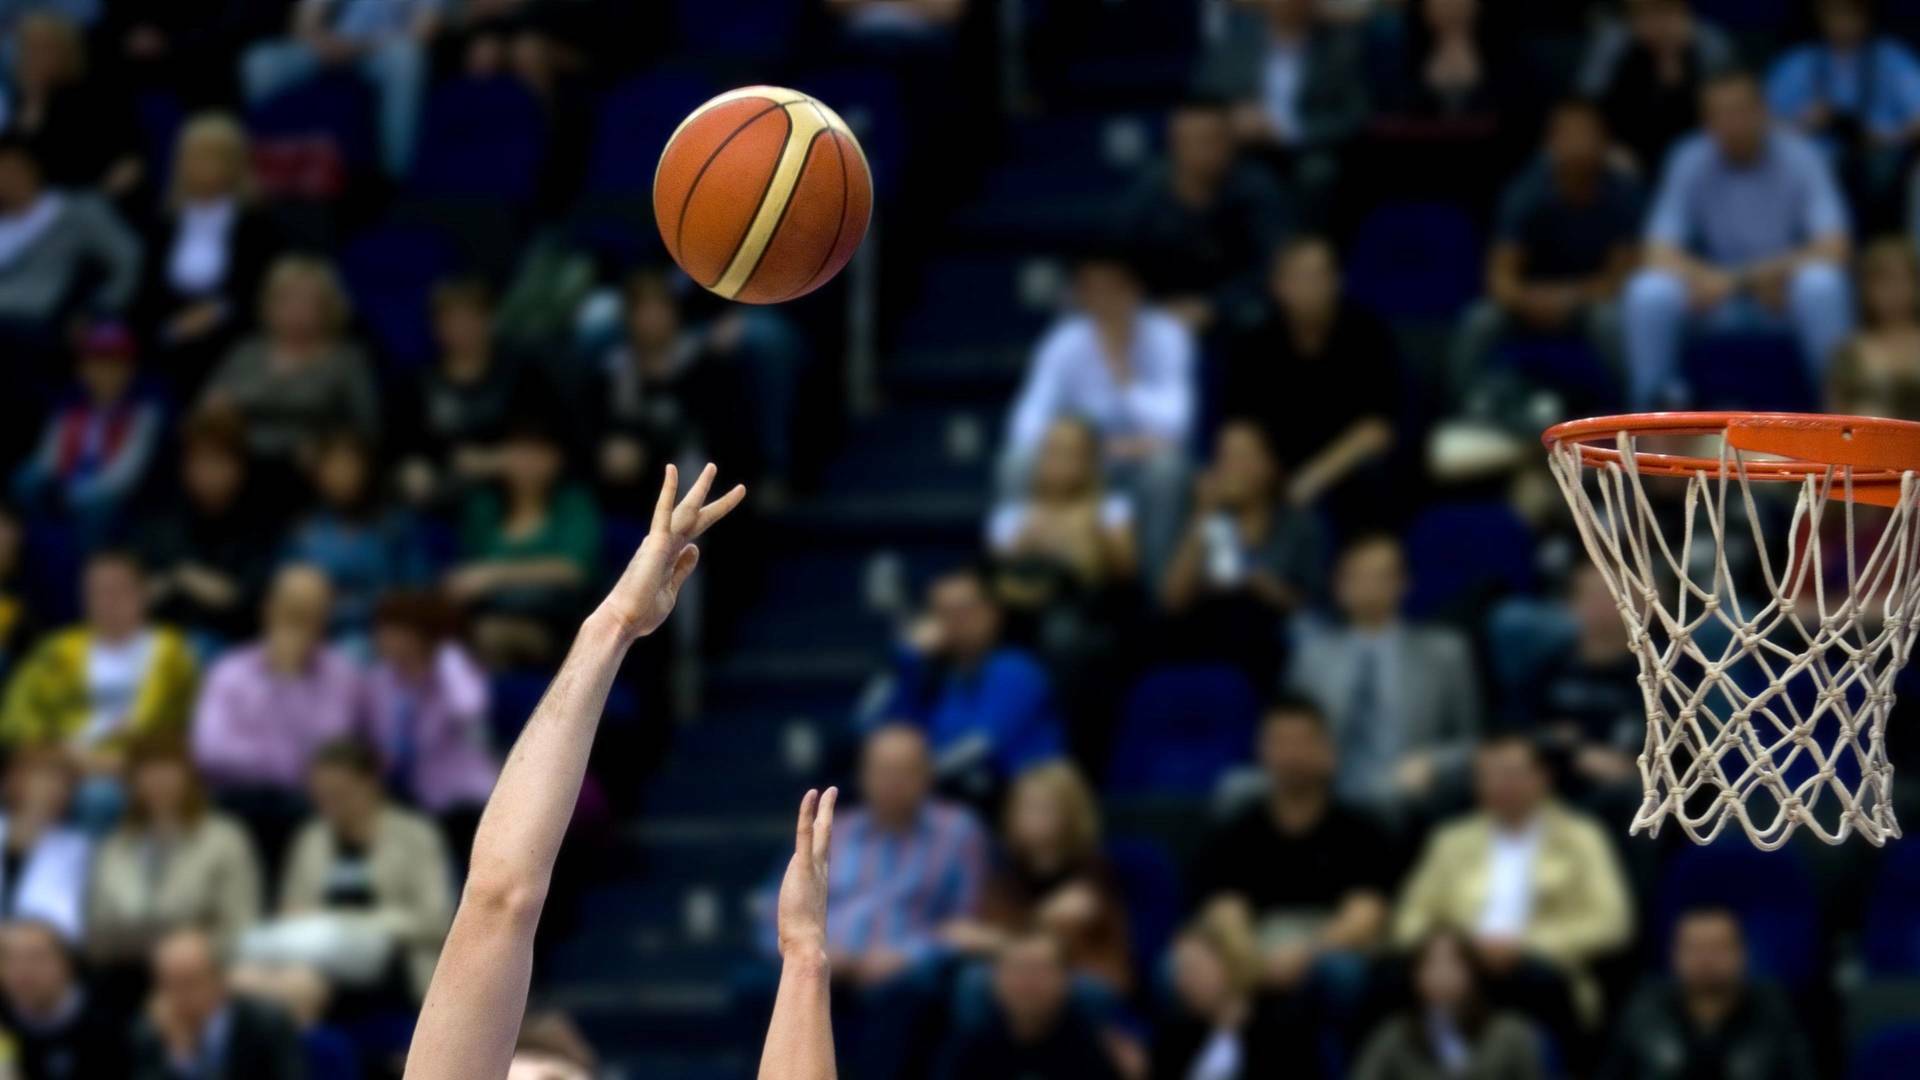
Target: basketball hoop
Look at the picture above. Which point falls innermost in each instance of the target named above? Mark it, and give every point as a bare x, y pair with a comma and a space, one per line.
1769, 711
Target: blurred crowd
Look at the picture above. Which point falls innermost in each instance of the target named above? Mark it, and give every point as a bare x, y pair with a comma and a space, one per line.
317, 446
1389, 716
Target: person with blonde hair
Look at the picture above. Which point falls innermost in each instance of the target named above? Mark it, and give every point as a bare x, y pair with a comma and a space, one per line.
1877, 371
1213, 1027
208, 250
300, 376
82, 130
1052, 874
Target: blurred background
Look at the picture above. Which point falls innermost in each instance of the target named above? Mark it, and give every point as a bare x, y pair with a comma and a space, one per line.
1149, 528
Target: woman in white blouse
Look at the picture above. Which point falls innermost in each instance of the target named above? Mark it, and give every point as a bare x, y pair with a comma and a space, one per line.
207, 252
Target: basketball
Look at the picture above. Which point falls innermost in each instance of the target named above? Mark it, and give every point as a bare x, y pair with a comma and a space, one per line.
762, 195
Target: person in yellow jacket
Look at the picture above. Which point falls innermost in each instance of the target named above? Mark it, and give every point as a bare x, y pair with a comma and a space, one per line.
114, 677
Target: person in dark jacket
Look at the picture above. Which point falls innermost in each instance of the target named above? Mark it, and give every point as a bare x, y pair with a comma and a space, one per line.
1031, 1030
61, 1030
196, 1029
1709, 1015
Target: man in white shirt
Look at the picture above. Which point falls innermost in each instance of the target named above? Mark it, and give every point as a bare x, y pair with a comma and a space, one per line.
1127, 370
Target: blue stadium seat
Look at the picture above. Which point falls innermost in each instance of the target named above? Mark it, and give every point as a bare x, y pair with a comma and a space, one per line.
1415, 260
390, 271
737, 29
1771, 892
1748, 371
1181, 727
1467, 553
1890, 941
481, 138
160, 114
1889, 1053
635, 120
335, 104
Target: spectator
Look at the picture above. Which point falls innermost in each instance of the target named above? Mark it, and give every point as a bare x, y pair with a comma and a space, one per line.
1033, 1029
1710, 1015
210, 248
364, 548
1312, 932
92, 687
1587, 707
300, 377
1877, 372
1564, 243
1401, 698
16, 611
879, 924
528, 550
1454, 111
1537, 884
1215, 1026
1451, 1030
1066, 521
270, 705
669, 393
210, 557
185, 47
196, 1027
61, 1030
1298, 85
385, 41
427, 713
95, 449
889, 19
81, 129
173, 863
60, 251
883, 929
1748, 229
1201, 223
369, 866
1646, 70
1857, 92
1128, 370
43, 863
466, 401
987, 708
1249, 557
1053, 874
1323, 378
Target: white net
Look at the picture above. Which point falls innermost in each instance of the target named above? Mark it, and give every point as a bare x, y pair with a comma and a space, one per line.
1769, 710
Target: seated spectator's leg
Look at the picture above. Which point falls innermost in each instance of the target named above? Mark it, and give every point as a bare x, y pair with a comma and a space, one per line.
272, 66
398, 70
1338, 985
1820, 307
972, 997
1480, 331
1653, 319
1158, 486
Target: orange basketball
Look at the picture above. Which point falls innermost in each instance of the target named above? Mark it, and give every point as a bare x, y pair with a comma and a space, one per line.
762, 194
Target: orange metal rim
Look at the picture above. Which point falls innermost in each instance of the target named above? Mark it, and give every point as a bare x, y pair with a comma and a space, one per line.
1877, 450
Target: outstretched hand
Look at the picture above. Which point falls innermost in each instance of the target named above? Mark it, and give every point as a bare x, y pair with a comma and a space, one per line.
644, 596
802, 910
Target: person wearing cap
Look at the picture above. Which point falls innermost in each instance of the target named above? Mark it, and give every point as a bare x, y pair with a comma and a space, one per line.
95, 448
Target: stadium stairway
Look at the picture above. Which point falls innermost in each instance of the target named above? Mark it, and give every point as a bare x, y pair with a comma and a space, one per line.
653, 966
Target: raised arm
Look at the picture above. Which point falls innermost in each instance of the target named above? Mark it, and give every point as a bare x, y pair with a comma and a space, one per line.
473, 1009
800, 1039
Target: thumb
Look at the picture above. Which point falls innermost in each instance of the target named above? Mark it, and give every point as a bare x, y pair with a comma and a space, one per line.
683, 565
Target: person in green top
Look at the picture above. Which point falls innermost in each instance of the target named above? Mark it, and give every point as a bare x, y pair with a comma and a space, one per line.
530, 545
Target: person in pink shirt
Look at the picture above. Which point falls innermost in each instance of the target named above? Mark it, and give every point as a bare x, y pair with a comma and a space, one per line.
427, 703
268, 705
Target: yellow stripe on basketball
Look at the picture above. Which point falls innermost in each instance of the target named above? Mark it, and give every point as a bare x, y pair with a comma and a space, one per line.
807, 122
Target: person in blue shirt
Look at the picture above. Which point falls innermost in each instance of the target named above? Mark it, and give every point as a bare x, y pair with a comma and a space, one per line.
987, 708
1748, 230
1854, 90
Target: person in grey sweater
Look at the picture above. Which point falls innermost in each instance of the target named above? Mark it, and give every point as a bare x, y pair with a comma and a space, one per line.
60, 251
